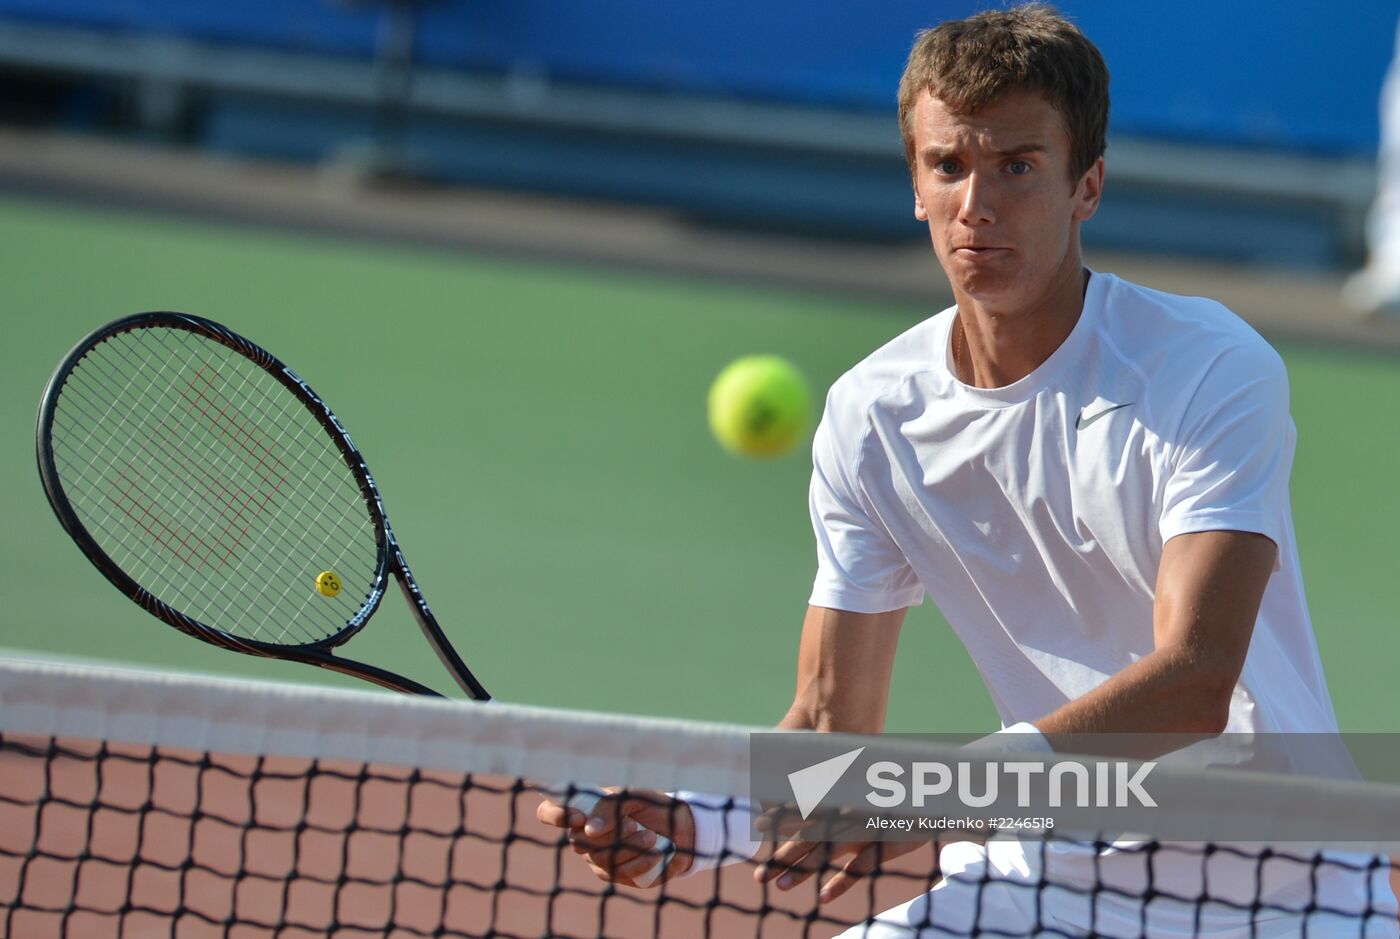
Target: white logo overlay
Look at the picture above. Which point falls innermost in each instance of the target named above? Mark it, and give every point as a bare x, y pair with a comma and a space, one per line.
1107, 785
810, 785
911, 787
978, 784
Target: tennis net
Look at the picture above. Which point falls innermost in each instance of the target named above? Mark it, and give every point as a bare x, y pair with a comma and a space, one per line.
151, 804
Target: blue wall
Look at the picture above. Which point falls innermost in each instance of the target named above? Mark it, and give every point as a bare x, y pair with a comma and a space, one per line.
1269, 73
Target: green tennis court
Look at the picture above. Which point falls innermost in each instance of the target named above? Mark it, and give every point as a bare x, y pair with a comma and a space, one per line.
538, 432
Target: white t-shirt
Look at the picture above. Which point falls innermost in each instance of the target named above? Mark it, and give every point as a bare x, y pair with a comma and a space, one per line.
1035, 514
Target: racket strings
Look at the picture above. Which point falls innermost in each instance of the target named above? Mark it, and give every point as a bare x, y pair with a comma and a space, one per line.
138, 551
265, 454
160, 460
163, 453
263, 475
241, 435
213, 486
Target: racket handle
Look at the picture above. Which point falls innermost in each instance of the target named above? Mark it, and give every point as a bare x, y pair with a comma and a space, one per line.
586, 800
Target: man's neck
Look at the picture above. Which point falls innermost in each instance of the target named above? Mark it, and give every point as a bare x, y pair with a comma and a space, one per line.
997, 347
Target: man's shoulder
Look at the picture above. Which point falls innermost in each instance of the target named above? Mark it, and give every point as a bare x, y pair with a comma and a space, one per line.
889, 376
894, 364
1191, 356
1166, 334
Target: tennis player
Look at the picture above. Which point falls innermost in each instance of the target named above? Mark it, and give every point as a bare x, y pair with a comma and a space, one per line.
1088, 476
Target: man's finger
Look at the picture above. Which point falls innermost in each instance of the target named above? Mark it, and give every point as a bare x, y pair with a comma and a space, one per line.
659, 812
640, 840
865, 857
642, 862
787, 856
616, 858
862, 863
795, 862
650, 809
579, 835
557, 815
628, 864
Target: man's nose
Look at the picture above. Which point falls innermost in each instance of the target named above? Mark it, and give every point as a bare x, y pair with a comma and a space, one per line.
976, 207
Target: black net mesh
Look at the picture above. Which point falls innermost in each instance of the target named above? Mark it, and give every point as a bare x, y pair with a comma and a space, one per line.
105, 838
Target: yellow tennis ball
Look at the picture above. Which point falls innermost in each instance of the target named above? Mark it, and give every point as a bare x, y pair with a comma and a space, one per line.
758, 406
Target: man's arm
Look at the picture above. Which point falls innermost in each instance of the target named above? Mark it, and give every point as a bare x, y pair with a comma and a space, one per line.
844, 665
1209, 588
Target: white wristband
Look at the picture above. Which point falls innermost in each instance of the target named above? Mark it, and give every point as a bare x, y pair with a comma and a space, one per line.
722, 830
1024, 737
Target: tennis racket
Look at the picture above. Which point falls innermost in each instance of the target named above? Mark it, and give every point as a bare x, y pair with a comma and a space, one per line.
214, 488
209, 483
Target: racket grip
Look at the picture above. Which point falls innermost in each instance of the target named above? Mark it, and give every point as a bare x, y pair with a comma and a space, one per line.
585, 800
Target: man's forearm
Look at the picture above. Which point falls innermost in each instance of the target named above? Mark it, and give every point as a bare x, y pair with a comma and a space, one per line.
1209, 588
1173, 690
843, 671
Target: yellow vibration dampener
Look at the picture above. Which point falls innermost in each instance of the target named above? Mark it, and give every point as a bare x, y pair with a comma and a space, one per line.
327, 584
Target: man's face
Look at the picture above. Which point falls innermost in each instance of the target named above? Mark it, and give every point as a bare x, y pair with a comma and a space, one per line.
995, 189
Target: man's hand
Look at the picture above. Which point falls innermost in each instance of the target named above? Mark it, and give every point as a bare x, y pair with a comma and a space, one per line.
618, 837
796, 861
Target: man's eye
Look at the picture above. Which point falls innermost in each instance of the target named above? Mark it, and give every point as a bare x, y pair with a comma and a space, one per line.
1018, 167
945, 167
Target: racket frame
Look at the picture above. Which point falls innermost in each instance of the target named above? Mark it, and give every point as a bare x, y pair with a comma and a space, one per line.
389, 556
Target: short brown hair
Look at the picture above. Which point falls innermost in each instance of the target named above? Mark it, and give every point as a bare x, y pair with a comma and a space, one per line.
967, 64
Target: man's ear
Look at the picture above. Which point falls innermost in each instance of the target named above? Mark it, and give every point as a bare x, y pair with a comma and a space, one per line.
920, 212
1089, 192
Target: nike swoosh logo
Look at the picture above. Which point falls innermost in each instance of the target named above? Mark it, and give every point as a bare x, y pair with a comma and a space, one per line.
1084, 422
